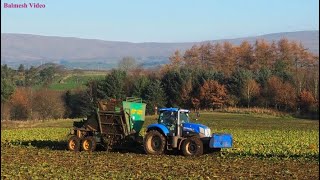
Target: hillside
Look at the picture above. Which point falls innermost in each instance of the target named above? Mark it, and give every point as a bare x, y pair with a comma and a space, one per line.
69, 51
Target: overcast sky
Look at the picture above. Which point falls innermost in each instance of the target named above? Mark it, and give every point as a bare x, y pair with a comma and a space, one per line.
161, 20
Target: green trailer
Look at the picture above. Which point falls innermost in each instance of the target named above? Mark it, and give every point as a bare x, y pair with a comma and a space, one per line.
114, 124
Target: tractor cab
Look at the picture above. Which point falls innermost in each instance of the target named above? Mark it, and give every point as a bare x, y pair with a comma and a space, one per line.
177, 121
169, 118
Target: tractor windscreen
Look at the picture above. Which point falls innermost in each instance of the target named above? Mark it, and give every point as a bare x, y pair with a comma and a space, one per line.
184, 117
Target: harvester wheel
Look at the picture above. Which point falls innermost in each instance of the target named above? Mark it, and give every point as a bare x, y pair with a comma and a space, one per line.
88, 144
154, 143
192, 146
74, 143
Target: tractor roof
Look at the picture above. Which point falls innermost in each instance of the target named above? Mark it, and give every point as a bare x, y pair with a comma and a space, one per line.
173, 109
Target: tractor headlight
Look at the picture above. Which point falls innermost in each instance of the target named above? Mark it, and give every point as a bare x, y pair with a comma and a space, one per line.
207, 132
202, 130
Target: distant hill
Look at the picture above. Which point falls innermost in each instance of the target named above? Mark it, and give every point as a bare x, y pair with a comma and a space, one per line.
26, 48
310, 39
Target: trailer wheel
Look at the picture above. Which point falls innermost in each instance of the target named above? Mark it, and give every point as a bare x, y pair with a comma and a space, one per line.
74, 143
88, 144
192, 146
154, 143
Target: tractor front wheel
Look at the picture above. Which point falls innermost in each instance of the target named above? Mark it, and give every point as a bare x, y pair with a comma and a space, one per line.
88, 144
74, 143
192, 146
154, 143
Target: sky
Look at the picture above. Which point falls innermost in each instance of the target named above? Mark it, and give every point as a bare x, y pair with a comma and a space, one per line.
160, 20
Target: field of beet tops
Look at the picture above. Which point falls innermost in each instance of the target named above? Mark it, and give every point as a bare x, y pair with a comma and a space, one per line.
265, 147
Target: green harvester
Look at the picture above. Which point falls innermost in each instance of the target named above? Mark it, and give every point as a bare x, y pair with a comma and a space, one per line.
114, 124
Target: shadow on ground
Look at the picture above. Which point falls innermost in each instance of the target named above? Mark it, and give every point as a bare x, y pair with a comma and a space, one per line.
62, 146
43, 144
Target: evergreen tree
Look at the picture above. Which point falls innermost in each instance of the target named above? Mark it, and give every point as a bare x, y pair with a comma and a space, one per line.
154, 96
113, 86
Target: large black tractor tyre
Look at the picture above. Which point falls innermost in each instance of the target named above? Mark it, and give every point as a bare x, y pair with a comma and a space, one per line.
154, 143
192, 146
88, 144
74, 144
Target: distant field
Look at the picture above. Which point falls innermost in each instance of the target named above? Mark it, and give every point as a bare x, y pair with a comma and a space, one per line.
264, 147
76, 81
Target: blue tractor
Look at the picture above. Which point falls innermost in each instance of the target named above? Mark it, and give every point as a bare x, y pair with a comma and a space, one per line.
174, 131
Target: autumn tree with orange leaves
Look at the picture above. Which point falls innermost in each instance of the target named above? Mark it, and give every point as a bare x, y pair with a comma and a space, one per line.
282, 93
213, 94
306, 101
21, 104
186, 96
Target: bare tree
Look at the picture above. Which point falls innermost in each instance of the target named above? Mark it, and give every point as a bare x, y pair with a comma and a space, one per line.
127, 64
251, 89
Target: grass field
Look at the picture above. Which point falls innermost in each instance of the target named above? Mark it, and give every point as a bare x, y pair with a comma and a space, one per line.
265, 147
75, 81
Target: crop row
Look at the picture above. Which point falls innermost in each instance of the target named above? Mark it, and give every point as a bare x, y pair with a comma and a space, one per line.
265, 143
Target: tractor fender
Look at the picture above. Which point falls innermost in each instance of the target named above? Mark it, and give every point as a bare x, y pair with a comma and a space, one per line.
180, 143
159, 127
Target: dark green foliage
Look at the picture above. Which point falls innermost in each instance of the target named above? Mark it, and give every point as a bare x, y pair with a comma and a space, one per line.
281, 70
139, 86
7, 82
7, 88
263, 75
21, 68
154, 96
113, 86
237, 80
32, 77
79, 104
236, 83
46, 75
172, 83
6, 72
186, 73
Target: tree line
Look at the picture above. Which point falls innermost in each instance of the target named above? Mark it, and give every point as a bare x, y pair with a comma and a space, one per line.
281, 75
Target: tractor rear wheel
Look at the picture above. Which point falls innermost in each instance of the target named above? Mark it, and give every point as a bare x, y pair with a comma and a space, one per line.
192, 146
88, 144
154, 143
74, 143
